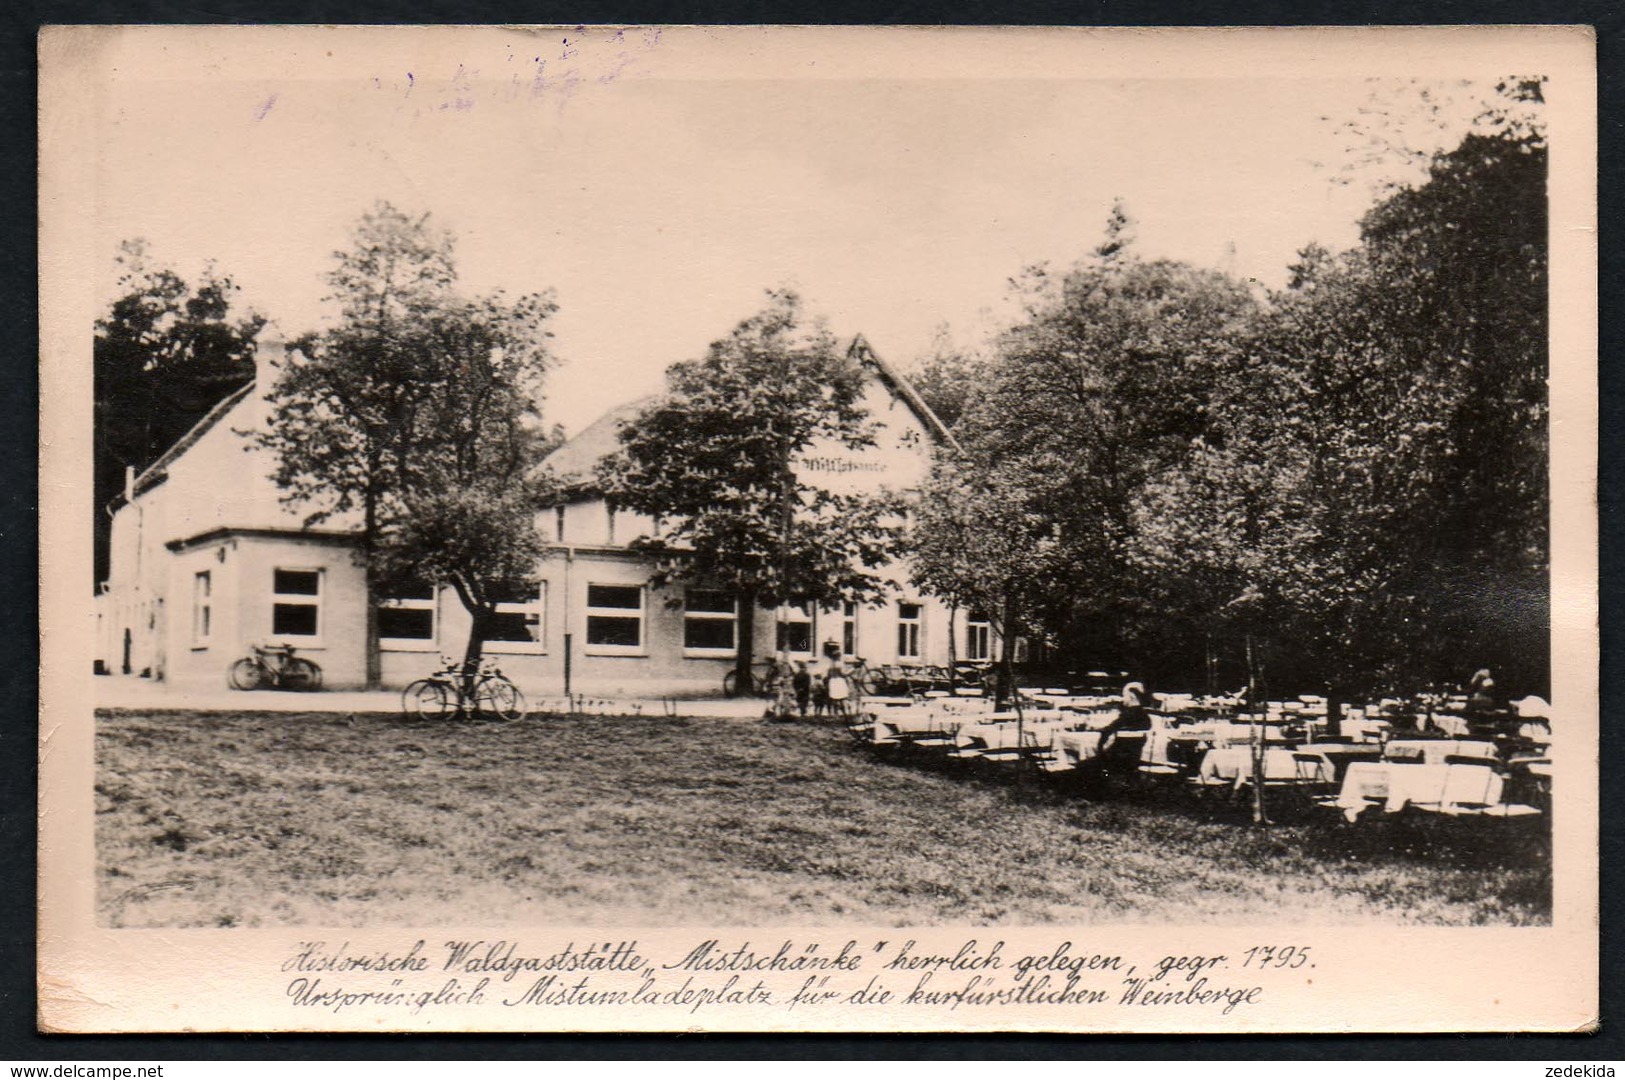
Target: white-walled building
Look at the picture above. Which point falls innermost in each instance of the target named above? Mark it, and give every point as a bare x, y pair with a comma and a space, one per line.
207, 561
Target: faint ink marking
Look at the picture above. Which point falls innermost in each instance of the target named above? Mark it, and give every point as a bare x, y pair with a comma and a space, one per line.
265, 107
143, 892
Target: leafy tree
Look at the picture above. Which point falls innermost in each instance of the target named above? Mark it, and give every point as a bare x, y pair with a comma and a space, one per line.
1389, 432
716, 458
947, 378
165, 354
981, 543
418, 410
1102, 387
1444, 441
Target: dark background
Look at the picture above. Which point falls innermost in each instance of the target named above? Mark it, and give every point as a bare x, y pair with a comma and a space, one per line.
19, 23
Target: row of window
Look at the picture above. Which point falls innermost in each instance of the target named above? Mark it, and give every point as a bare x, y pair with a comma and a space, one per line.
614, 619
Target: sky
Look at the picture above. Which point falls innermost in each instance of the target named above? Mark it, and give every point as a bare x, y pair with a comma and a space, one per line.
659, 181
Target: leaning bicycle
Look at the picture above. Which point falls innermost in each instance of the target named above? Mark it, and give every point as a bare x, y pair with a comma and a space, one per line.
758, 683
453, 693
275, 666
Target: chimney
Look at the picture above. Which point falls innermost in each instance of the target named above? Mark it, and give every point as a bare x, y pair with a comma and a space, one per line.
270, 353
129, 483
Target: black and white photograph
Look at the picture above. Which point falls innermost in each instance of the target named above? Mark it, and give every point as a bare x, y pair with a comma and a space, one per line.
1036, 529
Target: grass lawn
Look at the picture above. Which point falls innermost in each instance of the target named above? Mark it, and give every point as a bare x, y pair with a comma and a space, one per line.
278, 819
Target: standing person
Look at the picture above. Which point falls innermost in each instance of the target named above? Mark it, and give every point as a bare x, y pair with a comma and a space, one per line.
838, 689
819, 669
801, 682
779, 689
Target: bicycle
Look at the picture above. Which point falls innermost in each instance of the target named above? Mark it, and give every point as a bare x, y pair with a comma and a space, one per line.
759, 685
902, 680
864, 677
451, 692
276, 666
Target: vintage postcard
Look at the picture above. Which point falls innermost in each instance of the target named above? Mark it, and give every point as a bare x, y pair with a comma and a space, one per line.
790, 529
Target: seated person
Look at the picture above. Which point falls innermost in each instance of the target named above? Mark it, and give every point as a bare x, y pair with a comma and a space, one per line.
1131, 716
1487, 708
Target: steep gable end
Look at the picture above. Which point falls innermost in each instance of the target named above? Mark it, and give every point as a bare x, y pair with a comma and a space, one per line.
576, 462
894, 381
158, 471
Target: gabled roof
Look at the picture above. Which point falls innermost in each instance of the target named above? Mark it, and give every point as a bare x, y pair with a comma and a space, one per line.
576, 462
158, 471
897, 384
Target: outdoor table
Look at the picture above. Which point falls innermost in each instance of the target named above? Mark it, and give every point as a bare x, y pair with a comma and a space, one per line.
1234, 765
1400, 785
1367, 729
1452, 725
893, 725
1434, 751
1005, 734
1073, 748
1342, 755
1090, 717
1220, 733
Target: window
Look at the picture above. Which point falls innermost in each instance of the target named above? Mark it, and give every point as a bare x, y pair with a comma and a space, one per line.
202, 609
609, 525
795, 629
978, 637
849, 629
518, 625
406, 618
615, 618
296, 608
908, 631
710, 622
558, 524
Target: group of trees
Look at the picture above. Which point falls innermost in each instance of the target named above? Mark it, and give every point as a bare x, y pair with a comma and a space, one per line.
164, 354
1161, 467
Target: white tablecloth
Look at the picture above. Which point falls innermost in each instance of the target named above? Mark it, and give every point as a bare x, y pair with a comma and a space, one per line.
1434, 751
1235, 765
1224, 732
1365, 730
1073, 748
1450, 724
892, 724
1398, 785
1005, 734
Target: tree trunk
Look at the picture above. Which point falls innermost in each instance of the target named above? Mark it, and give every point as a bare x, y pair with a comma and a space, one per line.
479, 627
369, 547
1334, 711
1260, 817
1007, 653
953, 656
743, 653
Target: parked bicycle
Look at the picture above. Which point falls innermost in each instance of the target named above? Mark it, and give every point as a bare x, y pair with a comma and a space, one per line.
451, 693
758, 683
274, 665
864, 677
